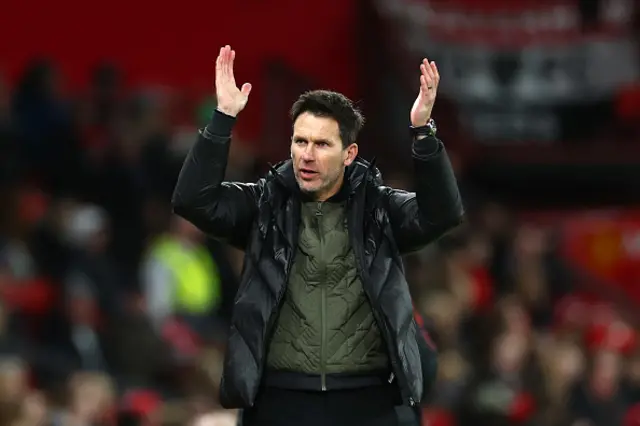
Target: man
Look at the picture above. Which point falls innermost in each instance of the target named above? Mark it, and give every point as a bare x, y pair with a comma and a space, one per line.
322, 331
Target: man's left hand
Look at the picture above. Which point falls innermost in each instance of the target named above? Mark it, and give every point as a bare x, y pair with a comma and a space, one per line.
422, 107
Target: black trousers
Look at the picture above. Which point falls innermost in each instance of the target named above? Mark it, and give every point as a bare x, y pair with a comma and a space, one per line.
370, 406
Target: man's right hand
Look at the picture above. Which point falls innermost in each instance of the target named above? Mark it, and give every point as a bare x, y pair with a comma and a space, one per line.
231, 100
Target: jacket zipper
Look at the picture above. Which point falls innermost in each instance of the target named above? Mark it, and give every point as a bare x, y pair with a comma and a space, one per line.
270, 325
276, 308
396, 369
323, 308
392, 357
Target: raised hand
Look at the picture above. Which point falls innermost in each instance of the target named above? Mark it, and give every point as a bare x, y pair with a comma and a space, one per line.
231, 100
422, 107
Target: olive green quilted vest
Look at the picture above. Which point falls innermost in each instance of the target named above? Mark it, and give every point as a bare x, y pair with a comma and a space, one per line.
325, 324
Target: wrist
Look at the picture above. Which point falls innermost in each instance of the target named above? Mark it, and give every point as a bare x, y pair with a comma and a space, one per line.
420, 123
421, 117
227, 111
427, 130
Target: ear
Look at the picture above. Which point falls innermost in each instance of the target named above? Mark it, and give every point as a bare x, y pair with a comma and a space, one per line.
350, 154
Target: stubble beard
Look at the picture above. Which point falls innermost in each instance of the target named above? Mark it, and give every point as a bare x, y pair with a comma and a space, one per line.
325, 185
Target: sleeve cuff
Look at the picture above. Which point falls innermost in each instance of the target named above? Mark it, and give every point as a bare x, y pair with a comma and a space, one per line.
221, 124
426, 147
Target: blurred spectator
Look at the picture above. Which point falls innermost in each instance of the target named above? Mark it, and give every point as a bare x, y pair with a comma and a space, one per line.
506, 392
10, 154
598, 399
563, 364
181, 280
43, 119
91, 401
216, 419
92, 271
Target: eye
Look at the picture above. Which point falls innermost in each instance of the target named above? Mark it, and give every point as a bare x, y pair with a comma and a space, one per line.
322, 144
300, 141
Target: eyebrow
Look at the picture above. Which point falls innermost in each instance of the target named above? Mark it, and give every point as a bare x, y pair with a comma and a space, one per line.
300, 138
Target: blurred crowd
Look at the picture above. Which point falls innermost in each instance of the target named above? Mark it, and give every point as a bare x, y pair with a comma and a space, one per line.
97, 326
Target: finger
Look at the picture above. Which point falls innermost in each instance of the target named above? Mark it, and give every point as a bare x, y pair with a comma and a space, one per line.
232, 57
428, 80
246, 89
219, 66
434, 68
424, 65
423, 84
426, 68
423, 71
226, 57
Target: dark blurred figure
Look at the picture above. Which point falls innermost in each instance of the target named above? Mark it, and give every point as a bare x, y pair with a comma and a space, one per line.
599, 399
631, 384
25, 287
139, 356
129, 418
41, 362
78, 338
48, 239
128, 176
506, 391
44, 121
88, 233
589, 13
10, 161
106, 93
91, 292
96, 116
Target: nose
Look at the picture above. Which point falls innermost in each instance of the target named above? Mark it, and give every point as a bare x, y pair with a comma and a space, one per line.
307, 154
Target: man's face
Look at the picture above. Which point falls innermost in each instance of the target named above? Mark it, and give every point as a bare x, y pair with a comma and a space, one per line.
318, 156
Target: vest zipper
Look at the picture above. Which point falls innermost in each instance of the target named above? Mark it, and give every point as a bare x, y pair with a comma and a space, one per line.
323, 308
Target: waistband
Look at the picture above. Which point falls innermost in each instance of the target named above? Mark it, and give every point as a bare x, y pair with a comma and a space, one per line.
313, 382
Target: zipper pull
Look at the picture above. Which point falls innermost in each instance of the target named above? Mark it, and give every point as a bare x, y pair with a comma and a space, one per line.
319, 211
391, 377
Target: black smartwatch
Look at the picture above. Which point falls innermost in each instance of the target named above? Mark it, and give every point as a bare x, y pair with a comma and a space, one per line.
428, 129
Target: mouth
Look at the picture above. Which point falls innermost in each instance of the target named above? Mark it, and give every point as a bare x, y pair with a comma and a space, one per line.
307, 174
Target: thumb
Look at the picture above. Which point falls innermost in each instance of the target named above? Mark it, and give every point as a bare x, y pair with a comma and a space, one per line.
246, 89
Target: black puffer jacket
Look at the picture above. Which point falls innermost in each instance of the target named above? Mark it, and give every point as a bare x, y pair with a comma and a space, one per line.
262, 219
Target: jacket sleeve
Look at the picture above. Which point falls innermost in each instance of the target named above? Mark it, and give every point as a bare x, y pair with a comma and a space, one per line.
418, 218
223, 210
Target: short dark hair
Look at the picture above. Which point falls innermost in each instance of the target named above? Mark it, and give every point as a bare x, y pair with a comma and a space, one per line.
325, 103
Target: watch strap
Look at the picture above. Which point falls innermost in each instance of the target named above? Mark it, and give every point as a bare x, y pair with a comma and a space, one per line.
428, 129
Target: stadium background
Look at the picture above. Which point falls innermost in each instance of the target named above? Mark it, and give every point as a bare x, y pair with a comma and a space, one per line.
533, 304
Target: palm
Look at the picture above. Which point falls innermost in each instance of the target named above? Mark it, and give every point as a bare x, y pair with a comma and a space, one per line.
231, 100
423, 105
420, 112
